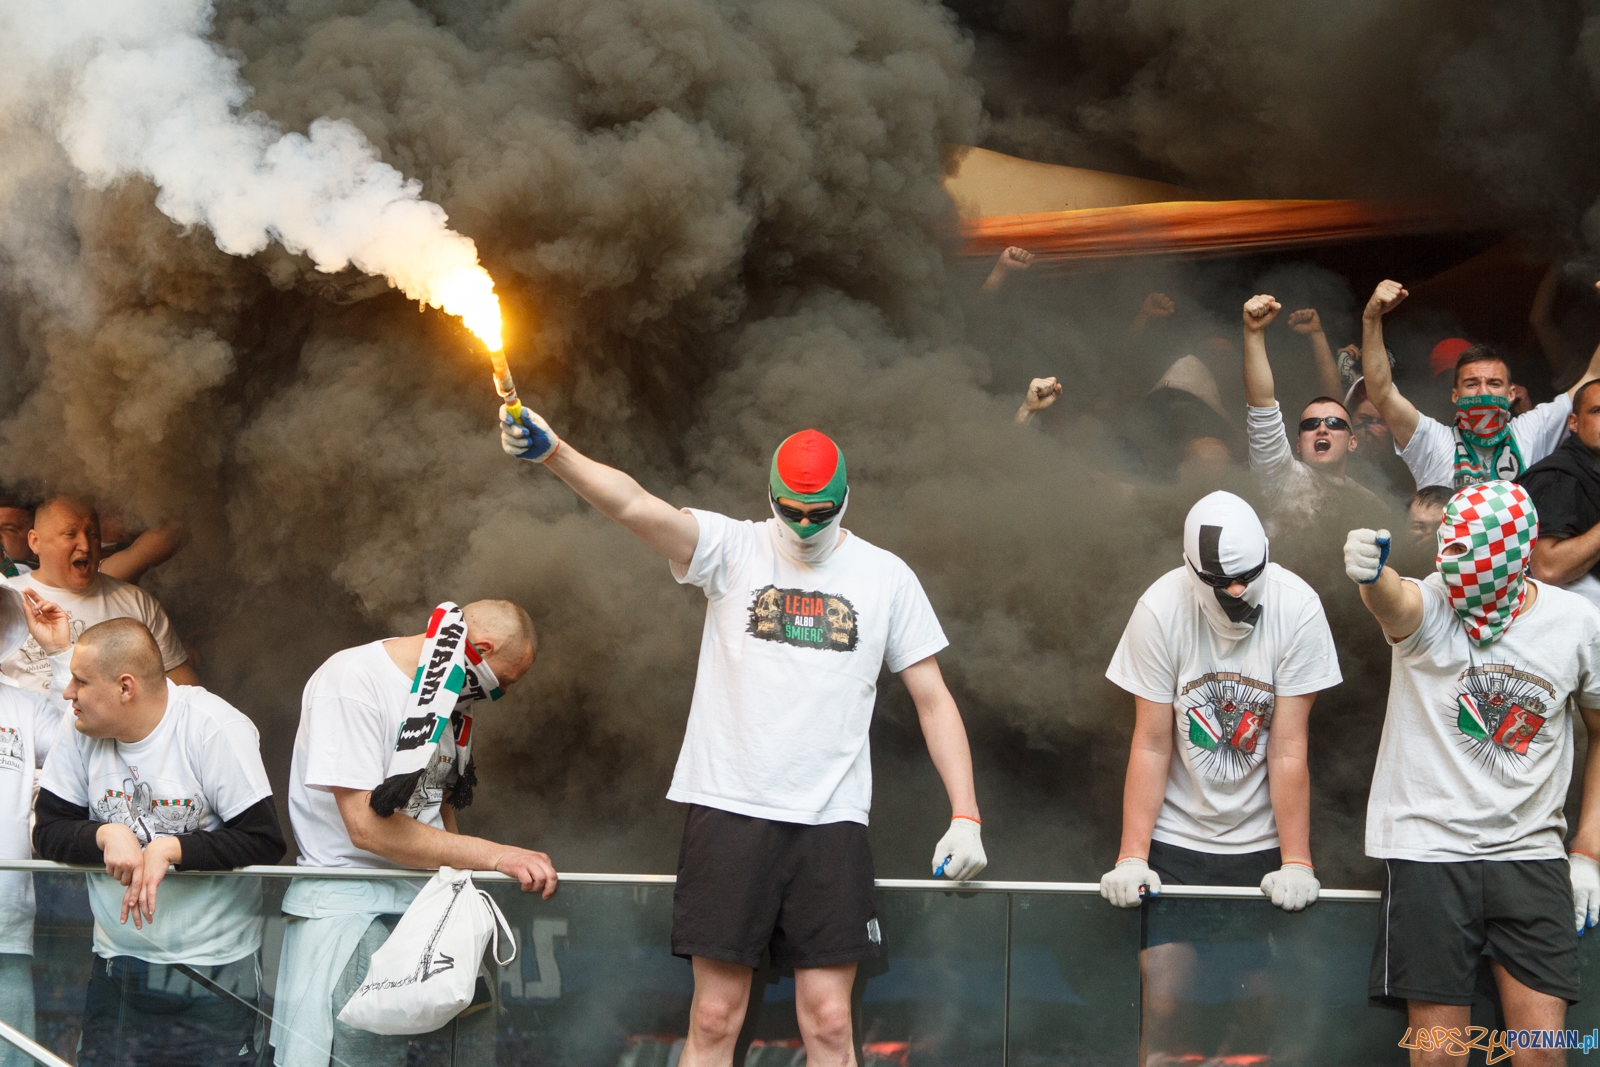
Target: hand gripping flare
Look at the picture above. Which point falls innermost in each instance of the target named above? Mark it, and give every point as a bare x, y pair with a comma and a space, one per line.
528, 437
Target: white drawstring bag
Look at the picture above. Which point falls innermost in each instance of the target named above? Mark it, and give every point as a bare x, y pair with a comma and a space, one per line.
426, 972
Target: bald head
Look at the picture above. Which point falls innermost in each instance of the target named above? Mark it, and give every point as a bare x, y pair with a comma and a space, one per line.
122, 646
505, 635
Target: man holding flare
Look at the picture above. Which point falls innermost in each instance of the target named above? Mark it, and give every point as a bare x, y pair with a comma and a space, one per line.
801, 616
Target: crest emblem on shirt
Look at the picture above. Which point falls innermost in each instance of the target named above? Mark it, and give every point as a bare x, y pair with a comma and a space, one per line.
1500, 714
1227, 716
803, 618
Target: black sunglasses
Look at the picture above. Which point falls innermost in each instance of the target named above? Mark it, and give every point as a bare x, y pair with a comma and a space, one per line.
817, 518
1222, 581
1333, 422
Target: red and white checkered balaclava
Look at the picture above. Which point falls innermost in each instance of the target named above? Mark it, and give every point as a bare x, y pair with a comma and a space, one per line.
1487, 581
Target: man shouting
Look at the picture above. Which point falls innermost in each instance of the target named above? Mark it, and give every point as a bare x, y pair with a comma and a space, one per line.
775, 768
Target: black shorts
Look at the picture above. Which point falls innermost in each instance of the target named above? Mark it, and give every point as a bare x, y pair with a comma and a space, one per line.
1441, 919
1204, 920
748, 885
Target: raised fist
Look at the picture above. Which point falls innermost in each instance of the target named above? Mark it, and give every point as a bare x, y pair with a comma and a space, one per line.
1015, 258
1157, 306
1260, 310
1365, 552
1385, 298
1042, 392
1306, 320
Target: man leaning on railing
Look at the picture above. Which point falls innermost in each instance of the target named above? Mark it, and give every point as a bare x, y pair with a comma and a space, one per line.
382, 762
152, 775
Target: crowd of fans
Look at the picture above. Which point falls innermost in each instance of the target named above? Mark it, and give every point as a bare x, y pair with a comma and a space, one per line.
155, 773
1361, 443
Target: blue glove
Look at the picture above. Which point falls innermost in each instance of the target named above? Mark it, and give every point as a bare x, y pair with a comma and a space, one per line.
531, 438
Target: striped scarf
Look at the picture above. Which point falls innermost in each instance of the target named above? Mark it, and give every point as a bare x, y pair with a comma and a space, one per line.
433, 748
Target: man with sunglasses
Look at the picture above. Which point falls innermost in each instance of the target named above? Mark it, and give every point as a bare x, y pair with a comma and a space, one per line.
1486, 441
802, 615
1297, 491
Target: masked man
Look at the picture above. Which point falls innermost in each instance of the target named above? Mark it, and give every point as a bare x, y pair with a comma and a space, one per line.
1486, 443
1473, 768
1224, 657
801, 616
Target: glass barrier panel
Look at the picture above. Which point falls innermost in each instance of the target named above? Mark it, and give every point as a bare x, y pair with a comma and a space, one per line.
1031, 979
1242, 983
1074, 981
596, 983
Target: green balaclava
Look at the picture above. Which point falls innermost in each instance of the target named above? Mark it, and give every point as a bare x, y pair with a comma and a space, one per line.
809, 468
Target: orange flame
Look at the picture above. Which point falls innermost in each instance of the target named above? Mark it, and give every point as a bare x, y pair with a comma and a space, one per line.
468, 293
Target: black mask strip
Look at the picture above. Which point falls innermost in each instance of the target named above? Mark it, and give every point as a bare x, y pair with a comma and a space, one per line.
1237, 608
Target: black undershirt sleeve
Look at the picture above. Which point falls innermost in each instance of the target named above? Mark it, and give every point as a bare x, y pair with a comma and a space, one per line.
63, 832
250, 837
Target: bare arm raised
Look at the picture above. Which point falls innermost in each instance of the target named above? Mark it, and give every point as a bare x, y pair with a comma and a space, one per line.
1259, 391
1308, 324
1400, 414
671, 532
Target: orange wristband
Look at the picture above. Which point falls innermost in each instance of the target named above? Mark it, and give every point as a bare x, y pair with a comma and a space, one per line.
969, 818
1581, 852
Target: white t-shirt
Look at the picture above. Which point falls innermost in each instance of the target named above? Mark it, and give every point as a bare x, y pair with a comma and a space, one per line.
1296, 493
1431, 452
29, 724
1476, 753
200, 767
350, 715
1222, 695
108, 598
789, 664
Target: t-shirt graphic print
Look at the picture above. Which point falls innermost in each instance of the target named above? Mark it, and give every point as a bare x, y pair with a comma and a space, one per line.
803, 618
1228, 716
136, 806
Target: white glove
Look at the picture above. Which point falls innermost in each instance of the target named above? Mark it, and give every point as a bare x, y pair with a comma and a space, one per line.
530, 439
1292, 887
959, 854
1364, 554
1585, 890
1120, 885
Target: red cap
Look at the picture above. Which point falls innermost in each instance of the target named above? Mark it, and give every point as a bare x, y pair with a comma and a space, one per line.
1445, 354
807, 461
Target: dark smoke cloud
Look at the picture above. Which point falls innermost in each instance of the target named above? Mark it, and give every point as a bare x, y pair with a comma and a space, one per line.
711, 225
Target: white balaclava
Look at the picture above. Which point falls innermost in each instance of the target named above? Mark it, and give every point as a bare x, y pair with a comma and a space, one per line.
1223, 542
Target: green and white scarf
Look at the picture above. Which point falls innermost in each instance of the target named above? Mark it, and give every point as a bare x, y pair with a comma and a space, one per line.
450, 678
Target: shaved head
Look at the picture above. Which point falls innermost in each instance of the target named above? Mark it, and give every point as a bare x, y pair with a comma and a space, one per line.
123, 646
59, 509
504, 623
504, 634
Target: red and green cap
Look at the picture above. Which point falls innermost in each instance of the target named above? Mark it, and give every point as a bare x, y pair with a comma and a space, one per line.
808, 467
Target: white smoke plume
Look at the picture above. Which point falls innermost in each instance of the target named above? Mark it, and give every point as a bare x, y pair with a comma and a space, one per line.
136, 88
